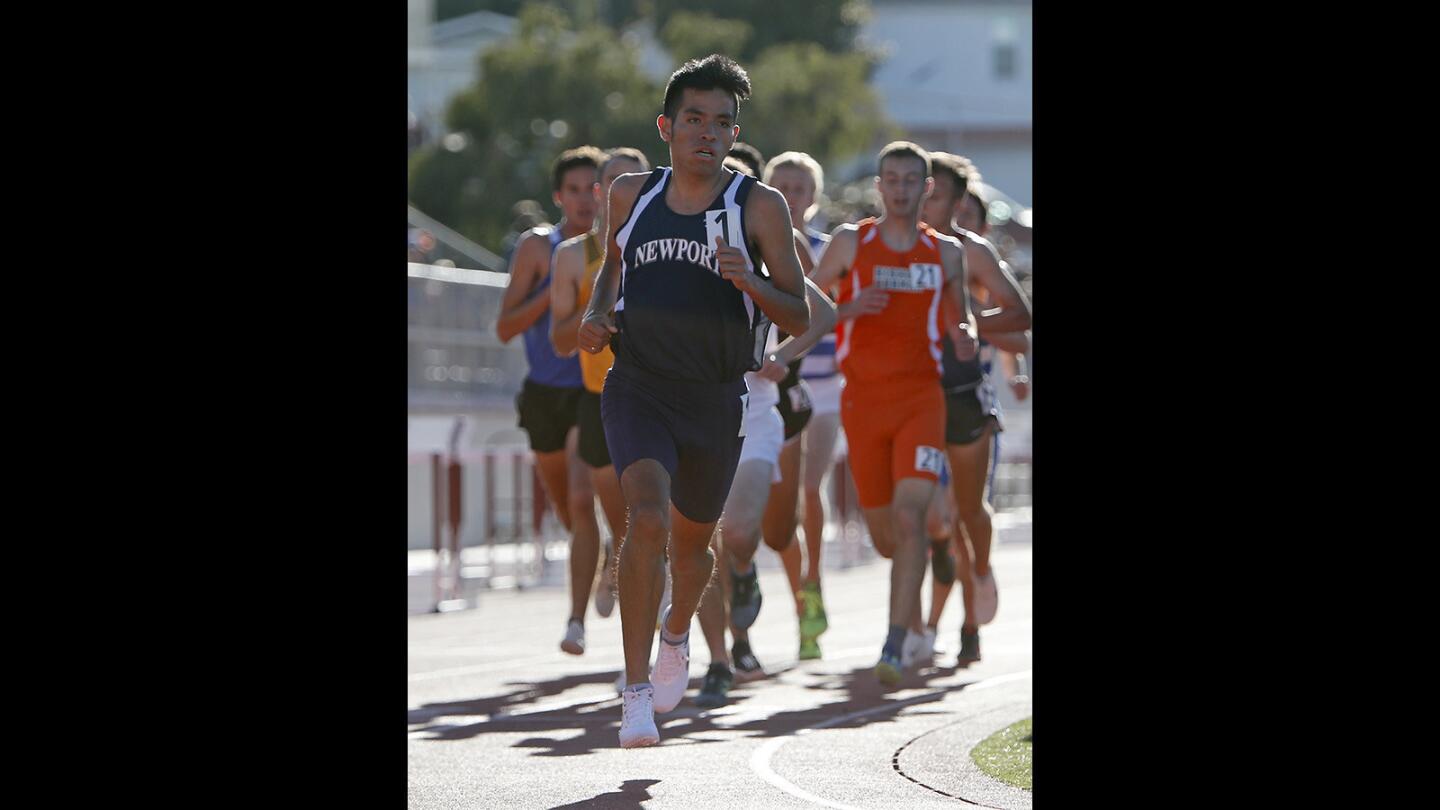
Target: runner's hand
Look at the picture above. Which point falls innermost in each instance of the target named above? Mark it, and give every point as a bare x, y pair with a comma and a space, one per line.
733, 267
595, 331
773, 370
871, 300
1020, 386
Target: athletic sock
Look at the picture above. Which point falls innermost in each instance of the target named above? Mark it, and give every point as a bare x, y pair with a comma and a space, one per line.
894, 641
673, 640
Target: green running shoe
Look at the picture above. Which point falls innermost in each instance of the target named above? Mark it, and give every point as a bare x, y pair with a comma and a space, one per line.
812, 613
889, 669
809, 649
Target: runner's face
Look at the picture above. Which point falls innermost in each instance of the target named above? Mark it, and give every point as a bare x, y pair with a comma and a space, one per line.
702, 132
970, 217
902, 184
613, 169
939, 206
798, 187
617, 167
576, 197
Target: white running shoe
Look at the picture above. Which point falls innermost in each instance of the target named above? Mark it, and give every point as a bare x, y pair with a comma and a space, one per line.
605, 591
911, 649
671, 673
574, 642
987, 598
937, 650
637, 720
927, 646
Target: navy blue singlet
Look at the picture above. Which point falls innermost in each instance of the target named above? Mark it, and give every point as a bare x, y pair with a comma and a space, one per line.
678, 318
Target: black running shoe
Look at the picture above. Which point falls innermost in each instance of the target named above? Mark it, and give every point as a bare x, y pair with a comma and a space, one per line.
969, 648
714, 692
747, 666
745, 597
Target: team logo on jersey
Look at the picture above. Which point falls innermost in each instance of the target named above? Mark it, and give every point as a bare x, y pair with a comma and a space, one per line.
929, 459
917, 277
676, 250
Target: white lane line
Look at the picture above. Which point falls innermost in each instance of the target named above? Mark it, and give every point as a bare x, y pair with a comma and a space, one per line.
760, 760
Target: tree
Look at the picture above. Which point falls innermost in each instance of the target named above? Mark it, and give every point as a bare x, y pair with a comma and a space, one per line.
613, 12
446, 9
810, 83
559, 84
549, 89
691, 35
809, 99
831, 24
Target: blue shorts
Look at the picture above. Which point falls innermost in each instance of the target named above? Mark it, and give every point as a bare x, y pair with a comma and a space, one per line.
692, 429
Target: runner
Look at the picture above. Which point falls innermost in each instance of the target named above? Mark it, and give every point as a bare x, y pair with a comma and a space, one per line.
973, 419
894, 273
550, 395
681, 296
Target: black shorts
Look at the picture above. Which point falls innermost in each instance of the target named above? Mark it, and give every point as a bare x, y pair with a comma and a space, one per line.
795, 408
692, 429
593, 449
547, 413
968, 412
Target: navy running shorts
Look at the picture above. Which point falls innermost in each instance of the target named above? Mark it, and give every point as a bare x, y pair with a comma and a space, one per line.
691, 428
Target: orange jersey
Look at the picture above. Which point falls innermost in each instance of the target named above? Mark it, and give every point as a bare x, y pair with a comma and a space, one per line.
593, 367
901, 343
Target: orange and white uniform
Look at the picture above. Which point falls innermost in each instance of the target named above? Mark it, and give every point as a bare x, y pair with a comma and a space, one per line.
892, 406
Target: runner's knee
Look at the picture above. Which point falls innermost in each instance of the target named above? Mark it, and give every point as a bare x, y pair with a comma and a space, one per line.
649, 525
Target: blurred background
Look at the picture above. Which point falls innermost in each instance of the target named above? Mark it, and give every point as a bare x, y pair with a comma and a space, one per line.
498, 88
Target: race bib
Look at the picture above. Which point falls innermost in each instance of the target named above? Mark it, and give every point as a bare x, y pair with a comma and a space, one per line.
929, 459
926, 276
724, 223
915, 278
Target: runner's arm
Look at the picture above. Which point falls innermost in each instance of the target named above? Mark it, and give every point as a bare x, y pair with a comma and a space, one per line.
782, 296
568, 269
959, 320
598, 322
822, 322
987, 269
520, 308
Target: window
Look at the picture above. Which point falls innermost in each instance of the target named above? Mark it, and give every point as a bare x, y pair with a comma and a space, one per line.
1004, 49
1005, 60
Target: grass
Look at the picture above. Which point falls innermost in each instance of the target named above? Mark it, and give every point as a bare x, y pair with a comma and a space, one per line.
1005, 754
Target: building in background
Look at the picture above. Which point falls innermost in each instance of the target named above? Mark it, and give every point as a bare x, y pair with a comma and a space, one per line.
957, 76
443, 58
